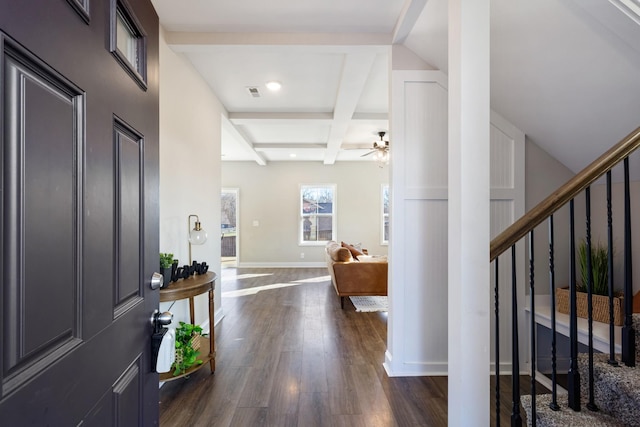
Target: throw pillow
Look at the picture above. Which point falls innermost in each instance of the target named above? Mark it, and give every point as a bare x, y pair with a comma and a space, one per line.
338, 253
354, 252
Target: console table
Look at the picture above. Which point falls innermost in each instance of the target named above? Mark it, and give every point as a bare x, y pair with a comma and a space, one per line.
190, 288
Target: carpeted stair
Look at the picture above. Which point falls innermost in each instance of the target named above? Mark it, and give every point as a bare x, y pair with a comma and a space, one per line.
616, 394
565, 417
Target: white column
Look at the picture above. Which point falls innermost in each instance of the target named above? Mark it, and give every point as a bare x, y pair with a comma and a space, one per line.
469, 234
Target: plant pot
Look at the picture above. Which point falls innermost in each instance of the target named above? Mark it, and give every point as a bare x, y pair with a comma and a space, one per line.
166, 274
600, 306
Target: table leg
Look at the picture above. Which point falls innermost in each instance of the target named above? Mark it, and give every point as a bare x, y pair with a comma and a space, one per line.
212, 337
192, 313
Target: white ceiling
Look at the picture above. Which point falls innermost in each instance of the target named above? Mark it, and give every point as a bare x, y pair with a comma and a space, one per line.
567, 73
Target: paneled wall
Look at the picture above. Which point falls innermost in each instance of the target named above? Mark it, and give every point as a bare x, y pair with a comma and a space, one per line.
417, 332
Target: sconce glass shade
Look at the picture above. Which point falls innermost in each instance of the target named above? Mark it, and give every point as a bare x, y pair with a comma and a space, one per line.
197, 236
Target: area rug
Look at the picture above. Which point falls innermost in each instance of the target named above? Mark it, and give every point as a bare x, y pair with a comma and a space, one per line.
370, 303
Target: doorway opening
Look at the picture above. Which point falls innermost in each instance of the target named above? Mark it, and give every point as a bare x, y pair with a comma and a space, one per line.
229, 227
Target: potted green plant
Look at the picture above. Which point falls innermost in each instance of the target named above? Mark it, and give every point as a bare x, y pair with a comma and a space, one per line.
599, 288
166, 259
187, 346
599, 268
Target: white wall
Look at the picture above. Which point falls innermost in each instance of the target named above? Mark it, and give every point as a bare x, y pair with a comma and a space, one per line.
190, 133
270, 195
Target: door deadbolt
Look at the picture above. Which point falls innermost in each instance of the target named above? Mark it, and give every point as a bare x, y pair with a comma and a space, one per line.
157, 281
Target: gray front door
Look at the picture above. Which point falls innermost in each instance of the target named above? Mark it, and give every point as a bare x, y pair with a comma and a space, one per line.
79, 194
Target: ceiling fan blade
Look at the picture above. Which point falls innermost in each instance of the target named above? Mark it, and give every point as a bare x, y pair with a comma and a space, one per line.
370, 152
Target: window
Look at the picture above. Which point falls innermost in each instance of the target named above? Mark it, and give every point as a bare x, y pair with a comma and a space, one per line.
317, 214
385, 214
128, 42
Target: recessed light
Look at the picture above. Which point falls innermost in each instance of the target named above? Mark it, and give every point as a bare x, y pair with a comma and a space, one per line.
292, 155
274, 85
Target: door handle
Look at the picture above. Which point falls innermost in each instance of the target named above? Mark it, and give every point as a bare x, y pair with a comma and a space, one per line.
158, 320
157, 280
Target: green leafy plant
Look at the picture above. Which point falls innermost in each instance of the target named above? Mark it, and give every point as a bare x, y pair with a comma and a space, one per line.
599, 267
166, 260
186, 354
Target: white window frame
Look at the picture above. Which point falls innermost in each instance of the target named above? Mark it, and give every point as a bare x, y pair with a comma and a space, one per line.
384, 216
301, 215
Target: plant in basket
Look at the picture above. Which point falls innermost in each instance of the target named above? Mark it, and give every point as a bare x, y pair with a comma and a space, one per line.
599, 268
600, 287
187, 346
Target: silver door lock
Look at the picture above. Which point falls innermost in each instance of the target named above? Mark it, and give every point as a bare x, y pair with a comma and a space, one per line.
157, 280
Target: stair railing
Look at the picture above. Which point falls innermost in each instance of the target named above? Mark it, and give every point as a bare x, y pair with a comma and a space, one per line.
525, 226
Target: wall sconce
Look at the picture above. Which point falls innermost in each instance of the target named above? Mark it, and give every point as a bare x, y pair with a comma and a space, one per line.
197, 235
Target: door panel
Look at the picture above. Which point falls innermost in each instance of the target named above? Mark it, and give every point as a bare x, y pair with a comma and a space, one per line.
35, 176
129, 147
79, 195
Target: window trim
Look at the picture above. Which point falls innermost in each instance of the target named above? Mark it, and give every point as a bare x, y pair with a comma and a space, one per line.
138, 72
301, 241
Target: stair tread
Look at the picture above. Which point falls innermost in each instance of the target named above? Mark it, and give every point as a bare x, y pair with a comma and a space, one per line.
565, 417
616, 388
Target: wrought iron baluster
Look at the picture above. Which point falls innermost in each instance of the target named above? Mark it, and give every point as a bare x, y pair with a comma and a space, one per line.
497, 340
532, 299
574, 374
552, 287
612, 344
516, 418
628, 334
591, 405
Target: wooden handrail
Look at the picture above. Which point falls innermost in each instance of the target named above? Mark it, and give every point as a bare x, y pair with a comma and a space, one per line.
562, 195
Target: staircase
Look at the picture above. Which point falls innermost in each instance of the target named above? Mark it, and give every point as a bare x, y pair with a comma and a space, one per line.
616, 395
598, 393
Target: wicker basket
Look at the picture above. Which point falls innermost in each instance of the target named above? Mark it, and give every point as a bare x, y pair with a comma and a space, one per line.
195, 342
600, 306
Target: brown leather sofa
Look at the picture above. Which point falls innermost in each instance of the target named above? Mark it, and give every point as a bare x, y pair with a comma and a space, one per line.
364, 275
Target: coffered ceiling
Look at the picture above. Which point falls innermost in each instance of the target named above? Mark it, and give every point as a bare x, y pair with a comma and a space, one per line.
564, 72
331, 57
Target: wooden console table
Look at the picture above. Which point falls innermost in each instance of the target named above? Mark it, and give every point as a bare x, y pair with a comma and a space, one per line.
190, 288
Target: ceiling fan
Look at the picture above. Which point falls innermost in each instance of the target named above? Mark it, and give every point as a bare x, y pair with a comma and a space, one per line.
380, 149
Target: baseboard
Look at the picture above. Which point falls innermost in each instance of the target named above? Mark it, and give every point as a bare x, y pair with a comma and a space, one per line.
505, 369
425, 369
413, 369
318, 264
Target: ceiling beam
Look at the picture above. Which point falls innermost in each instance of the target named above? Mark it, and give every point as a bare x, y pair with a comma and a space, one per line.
408, 17
355, 73
289, 146
195, 42
240, 139
370, 116
279, 118
251, 118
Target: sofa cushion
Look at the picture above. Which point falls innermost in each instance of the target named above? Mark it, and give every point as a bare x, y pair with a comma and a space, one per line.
338, 253
372, 258
354, 252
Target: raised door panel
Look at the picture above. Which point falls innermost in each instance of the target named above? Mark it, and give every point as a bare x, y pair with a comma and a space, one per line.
43, 115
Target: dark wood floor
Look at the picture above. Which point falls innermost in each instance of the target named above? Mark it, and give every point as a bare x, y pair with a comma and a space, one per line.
288, 355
